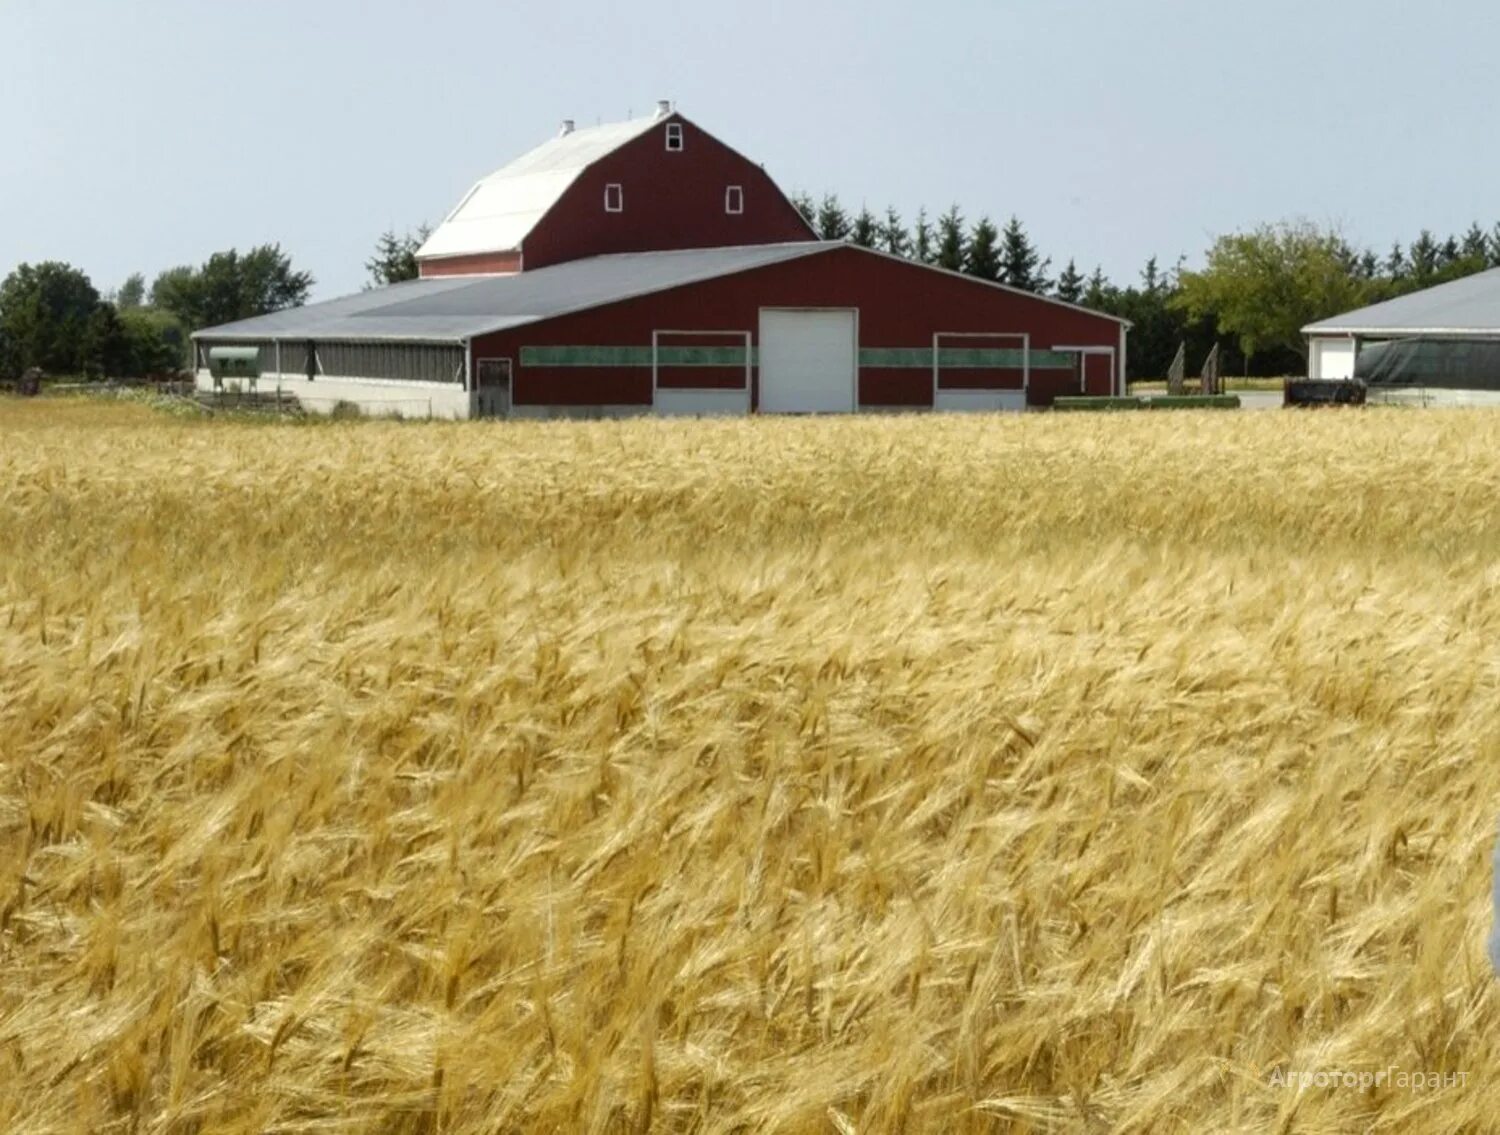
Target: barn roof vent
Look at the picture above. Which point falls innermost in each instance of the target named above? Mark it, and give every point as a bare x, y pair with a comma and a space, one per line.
567, 128
663, 107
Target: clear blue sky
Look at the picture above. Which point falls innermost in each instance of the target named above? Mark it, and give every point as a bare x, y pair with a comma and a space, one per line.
138, 134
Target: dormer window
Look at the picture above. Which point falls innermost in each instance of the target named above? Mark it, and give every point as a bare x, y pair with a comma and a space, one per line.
614, 197
674, 137
734, 199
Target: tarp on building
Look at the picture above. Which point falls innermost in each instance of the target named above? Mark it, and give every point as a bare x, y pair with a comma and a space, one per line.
1430, 363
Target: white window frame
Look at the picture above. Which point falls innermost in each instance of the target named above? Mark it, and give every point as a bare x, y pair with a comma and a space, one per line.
731, 193
937, 347
674, 135
1083, 364
743, 336
615, 189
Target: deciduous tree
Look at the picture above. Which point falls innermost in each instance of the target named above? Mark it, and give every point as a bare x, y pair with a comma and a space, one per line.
48, 319
1264, 286
231, 287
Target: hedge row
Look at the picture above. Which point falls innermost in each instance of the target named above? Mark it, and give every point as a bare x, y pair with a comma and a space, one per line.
1157, 402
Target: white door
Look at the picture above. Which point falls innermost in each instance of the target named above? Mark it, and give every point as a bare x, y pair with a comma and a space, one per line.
808, 361
1331, 358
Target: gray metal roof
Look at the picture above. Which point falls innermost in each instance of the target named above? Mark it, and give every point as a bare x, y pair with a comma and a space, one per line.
450, 310
1470, 306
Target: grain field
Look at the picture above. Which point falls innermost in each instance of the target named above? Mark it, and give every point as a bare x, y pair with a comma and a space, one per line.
958, 774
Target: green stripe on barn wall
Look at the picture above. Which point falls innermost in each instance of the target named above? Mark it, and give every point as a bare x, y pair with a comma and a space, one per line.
895, 358
960, 358
633, 356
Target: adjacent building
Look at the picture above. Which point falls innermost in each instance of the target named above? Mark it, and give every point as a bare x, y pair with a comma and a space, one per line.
1439, 344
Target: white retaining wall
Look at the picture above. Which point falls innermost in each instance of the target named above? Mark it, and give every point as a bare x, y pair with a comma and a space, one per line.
377, 397
951, 401
713, 403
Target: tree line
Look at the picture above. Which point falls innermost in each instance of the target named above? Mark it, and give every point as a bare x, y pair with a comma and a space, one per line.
1254, 293
53, 318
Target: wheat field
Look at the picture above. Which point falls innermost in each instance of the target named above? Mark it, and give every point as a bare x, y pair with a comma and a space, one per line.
1030, 773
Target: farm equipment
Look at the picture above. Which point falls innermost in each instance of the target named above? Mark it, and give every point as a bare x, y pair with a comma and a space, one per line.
1324, 392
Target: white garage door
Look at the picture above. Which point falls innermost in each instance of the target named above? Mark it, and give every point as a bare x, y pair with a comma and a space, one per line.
808, 362
1332, 358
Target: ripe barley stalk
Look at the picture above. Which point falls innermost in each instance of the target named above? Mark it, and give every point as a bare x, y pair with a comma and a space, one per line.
956, 774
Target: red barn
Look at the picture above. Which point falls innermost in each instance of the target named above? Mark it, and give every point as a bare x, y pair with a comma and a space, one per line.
647, 267
654, 184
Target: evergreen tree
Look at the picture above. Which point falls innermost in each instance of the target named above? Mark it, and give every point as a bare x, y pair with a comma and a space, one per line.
1424, 256
1493, 255
1021, 266
833, 222
893, 236
1151, 278
1070, 284
395, 258
1396, 264
1099, 294
982, 257
1448, 253
1476, 245
1368, 265
804, 204
950, 241
866, 229
922, 248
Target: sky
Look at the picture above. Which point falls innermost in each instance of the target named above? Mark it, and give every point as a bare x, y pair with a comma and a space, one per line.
140, 134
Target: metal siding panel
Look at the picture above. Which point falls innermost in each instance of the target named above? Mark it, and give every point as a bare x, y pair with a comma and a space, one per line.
900, 305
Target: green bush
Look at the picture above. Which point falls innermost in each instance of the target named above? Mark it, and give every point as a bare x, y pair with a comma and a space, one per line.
1194, 402
1097, 402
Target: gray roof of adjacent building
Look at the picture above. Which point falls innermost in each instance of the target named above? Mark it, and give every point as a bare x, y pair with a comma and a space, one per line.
453, 309
1470, 306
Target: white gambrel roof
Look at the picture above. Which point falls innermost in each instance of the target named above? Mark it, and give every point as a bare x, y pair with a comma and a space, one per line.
498, 213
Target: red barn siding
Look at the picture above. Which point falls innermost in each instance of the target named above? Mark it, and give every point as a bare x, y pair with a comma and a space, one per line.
672, 200
481, 264
1098, 375
883, 386
901, 305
